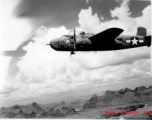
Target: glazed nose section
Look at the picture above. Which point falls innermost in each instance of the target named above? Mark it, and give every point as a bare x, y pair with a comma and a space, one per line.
54, 44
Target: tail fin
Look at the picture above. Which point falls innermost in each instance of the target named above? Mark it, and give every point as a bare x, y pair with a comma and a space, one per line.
141, 31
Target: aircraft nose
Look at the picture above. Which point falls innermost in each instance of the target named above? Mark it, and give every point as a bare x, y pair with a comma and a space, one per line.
54, 44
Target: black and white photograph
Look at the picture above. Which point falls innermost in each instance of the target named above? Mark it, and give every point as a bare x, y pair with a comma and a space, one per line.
75, 59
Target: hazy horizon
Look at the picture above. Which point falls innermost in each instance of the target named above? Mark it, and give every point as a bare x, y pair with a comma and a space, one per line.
77, 95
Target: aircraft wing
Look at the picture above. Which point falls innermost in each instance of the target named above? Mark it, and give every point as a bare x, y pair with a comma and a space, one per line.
106, 38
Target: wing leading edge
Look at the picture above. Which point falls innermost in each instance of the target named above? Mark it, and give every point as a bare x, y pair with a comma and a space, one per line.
106, 39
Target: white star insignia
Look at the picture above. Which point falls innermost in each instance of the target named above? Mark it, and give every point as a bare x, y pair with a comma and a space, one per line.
134, 41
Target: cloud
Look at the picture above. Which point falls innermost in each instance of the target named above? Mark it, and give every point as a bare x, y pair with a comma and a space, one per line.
145, 19
88, 1
130, 24
122, 12
13, 32
12, 28
57, 76
4, 63
122, 19
43, 70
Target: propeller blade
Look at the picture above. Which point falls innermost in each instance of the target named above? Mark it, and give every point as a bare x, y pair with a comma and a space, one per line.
74, 38
72, 53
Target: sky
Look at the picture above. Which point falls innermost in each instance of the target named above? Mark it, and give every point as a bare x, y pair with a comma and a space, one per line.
34, 70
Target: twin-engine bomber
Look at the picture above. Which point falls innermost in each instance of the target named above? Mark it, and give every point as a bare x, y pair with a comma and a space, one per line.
107, 40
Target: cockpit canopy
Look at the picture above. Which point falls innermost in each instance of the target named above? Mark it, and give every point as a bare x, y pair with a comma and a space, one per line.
82, 33
67, 37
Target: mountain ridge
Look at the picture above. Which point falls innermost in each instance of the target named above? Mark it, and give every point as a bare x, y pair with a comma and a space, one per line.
122, 96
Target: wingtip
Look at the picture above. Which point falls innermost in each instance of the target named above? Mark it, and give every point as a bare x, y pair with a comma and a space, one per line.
116, 28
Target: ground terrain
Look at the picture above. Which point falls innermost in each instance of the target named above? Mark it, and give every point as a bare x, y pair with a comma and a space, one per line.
139, 99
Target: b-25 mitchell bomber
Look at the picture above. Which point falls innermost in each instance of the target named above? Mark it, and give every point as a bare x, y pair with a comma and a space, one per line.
107, 40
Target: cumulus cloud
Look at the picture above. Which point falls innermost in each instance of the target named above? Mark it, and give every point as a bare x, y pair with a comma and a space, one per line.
88, 1
50, 76
13, 31
43, 70
145, 19
130, 24
122, 19
122, 12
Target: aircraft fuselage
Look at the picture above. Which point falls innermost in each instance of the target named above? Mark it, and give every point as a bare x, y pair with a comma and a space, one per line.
107, 40
83, 43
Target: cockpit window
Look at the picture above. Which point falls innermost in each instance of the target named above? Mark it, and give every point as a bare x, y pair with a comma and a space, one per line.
64, 37
82, 33
67, 37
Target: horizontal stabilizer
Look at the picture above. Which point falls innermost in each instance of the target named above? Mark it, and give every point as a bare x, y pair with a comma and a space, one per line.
106, 37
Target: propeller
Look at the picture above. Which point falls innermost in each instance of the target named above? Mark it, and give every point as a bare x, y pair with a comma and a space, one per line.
74, 41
